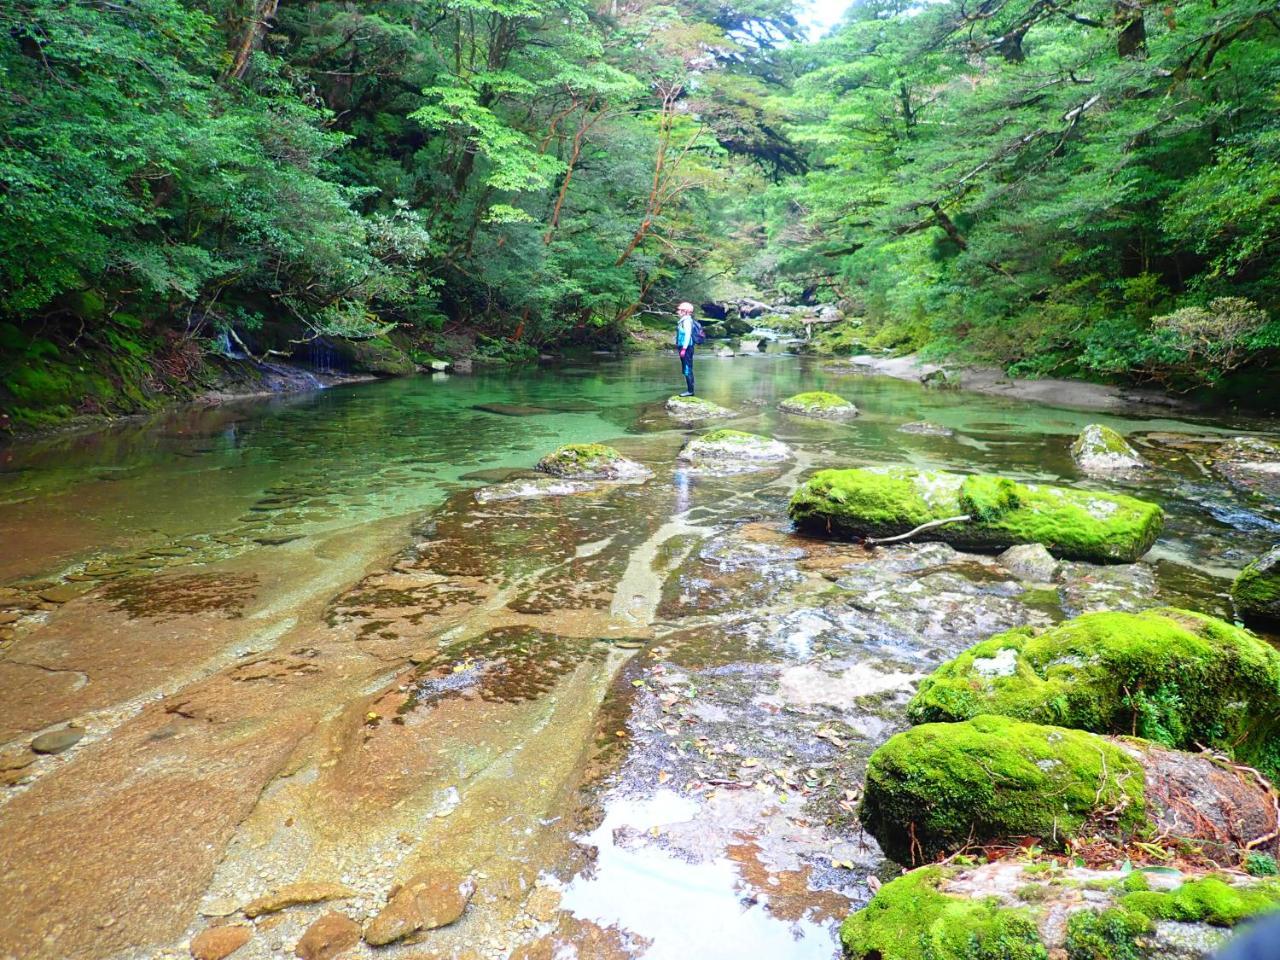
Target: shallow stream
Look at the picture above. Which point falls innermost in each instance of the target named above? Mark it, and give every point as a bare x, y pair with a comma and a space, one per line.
301, 651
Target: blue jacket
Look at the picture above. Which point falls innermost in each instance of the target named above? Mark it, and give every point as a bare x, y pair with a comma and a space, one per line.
684, 332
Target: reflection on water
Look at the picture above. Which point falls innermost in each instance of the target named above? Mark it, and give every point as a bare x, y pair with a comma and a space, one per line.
688, 909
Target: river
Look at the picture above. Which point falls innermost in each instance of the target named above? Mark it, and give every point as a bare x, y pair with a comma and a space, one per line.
297, 650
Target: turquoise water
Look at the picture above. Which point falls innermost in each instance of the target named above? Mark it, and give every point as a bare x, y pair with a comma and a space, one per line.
271, 469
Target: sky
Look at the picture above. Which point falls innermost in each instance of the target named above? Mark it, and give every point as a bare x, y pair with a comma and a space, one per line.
820, 15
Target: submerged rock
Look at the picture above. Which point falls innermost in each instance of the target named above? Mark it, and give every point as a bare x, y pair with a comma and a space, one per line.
1102, 451
528, 489
695, 408
293, 894
997, 512
926, 428
57, 741
327, 937
424, 903
939, 786
1176, 677
219, 942
1012, 909
1256, 591
820, 405
732, 451
1251, 464
1030, 562
592, 461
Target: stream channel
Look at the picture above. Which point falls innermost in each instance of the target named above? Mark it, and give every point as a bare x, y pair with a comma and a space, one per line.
298, 652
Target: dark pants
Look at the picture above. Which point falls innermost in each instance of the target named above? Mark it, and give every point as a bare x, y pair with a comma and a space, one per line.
686, 366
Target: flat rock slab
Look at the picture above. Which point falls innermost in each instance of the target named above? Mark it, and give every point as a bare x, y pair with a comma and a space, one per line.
219, 942
58, 740
327, 937
426, 902
533, 489
692, 409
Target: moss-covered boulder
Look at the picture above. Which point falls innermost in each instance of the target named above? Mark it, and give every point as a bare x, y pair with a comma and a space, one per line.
910, 918
592, 461
693, 409
1172, 676
1016, 910
732, 451
377, 356
1256, 590
1071, 524
1101, 451
938, 786
819, 405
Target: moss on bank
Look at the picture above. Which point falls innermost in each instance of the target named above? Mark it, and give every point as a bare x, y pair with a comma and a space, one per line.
1169, 675
1256, 591
910, 919
938, 786
1071, 524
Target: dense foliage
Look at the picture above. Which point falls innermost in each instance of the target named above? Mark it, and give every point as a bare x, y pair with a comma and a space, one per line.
1087, 186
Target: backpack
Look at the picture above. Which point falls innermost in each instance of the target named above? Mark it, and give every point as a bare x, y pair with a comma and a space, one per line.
699, 335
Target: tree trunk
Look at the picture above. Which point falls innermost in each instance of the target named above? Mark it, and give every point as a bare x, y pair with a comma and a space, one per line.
255, 28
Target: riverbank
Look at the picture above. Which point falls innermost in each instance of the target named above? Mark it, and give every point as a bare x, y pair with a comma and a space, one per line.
992, 381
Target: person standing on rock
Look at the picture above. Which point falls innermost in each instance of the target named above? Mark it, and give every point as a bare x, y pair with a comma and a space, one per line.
685, 338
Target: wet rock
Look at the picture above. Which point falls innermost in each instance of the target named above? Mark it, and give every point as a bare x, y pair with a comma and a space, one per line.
1172, 676
725, 352
1000, 778
1088, 587
1251, 464
424, 903
998, 512
592, 461
1005, 780
1256, 591
819, 405
532, 489
327, 937
1014, 909
293, 894
690, 409
61, 593
732, 451
1030, 562
1101, 451
926, 428
218, 942
8, 616
57, 741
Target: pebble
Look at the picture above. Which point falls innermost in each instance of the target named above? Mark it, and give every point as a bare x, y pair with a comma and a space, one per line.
57, 741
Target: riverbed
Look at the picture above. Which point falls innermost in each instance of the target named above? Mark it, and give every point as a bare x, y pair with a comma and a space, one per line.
297, 650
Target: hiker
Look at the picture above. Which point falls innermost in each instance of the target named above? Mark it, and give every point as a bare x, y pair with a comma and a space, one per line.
687, 330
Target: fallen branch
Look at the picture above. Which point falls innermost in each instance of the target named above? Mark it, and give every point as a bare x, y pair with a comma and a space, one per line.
875, 541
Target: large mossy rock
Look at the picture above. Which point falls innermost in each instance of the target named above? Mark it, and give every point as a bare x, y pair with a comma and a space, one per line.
1172, 676
1071, 524
819, 405
377, 356
938, 786
1101, 451
732, 451
692, 409
1011, 910
1256, 590
592, 461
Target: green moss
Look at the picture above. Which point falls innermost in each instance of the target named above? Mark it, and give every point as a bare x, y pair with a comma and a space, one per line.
819, 403
911, 919
1209, 900
732, 436
1135, 882
1071, 524
1261, 865
579, 458
1169, 675
938, 786
1256, 591
1106, 935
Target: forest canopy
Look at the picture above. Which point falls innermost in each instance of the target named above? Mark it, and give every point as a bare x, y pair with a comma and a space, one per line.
1086, 187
